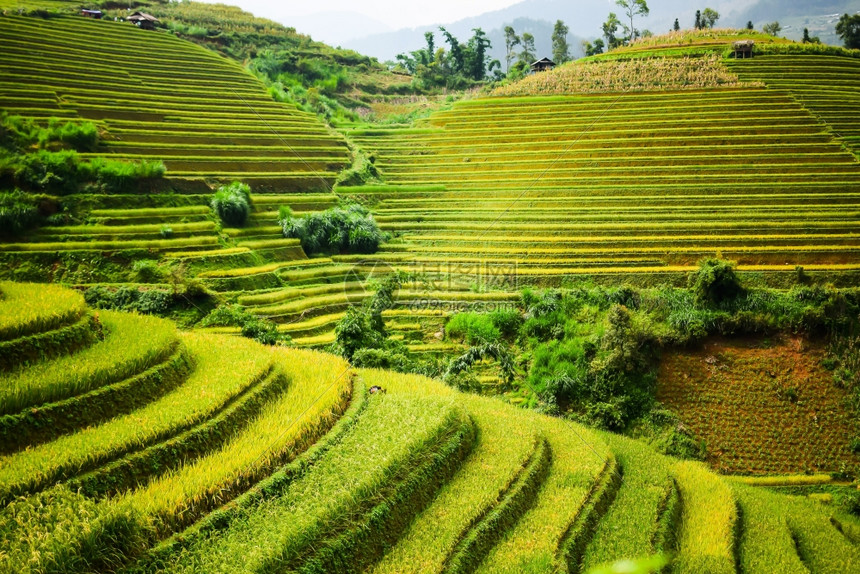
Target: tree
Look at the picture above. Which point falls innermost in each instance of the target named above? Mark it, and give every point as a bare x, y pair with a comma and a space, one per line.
676, 26
610, 29
698, 24
715, 282
511, 42
633, 8
431, 46
458, 59
848, 28
528, 54
592, 49
772, 29
560, 49
709, 18
750, 25
478, 58
807, 39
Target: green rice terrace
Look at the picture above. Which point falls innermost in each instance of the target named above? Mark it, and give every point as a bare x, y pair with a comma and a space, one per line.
599, 319
129, 446
155, 97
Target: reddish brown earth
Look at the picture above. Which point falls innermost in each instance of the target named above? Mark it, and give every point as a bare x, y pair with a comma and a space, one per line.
762, 407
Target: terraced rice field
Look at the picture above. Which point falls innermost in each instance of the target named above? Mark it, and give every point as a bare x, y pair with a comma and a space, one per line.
647, 183
278, 458
503, 192
157, 97
828, 86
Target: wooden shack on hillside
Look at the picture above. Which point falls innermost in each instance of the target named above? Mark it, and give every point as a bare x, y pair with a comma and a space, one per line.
542, 65
743, 49
97, 14
143, 20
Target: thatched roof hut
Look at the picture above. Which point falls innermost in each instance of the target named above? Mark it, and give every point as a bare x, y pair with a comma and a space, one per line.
542, 65
743, 49
144, 20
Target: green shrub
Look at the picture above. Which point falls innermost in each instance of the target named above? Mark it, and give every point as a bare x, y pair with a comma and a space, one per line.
120, 176
264, 331
361, 171
154, 302
150, 301
226, 316
253, 327
64, 172
381, 359
715, 283
473, 328
232, 204
351, 229
146, 271
465, 381
477, 353
508, 322
605, 378
18, 212
53, 172
356, 332
19, 134
166, 232
78, 136
545, 316
852, 503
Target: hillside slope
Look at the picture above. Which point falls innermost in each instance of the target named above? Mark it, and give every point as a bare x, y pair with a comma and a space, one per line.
158, 97
638, 166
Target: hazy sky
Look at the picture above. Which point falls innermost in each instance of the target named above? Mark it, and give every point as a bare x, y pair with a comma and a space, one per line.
394, 13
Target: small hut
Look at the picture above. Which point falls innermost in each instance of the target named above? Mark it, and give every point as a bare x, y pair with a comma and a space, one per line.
97, 14
743, 49
143, 20
542, 65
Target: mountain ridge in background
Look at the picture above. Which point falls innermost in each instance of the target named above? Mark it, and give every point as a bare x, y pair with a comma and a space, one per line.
335, 28
584, 18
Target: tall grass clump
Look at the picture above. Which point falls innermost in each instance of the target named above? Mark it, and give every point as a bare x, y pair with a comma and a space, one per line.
20, 134
350, 229
18, 212
716, 282
232, 203
65, 172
